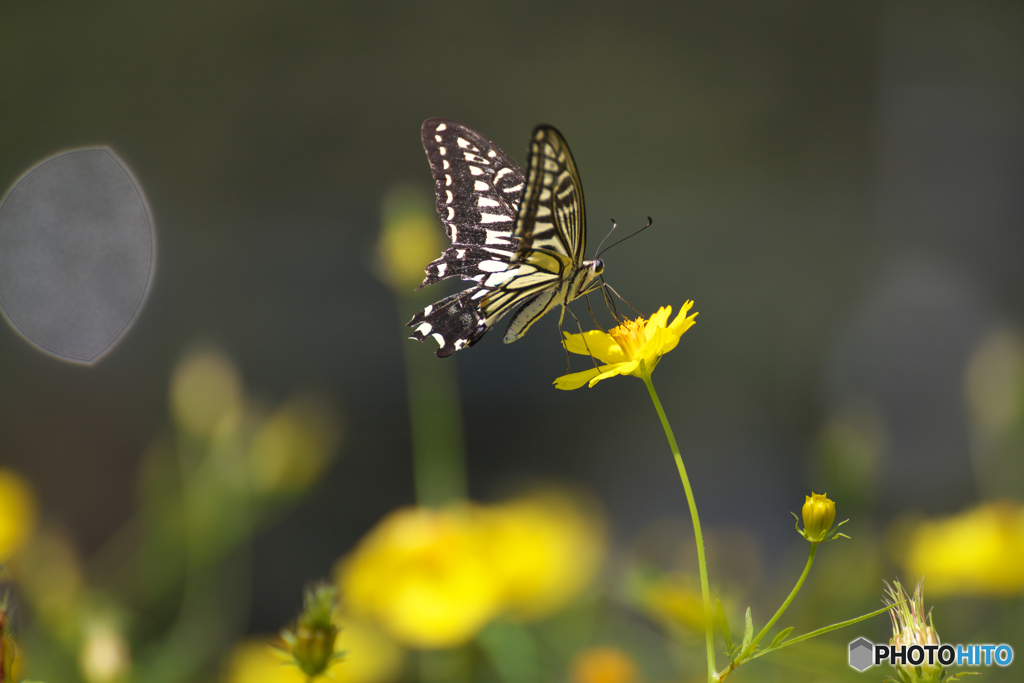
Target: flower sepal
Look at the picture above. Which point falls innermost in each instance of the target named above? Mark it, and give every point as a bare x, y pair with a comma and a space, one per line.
830, 536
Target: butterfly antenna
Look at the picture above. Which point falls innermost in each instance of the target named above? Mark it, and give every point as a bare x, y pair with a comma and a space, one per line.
650, 221
614, 225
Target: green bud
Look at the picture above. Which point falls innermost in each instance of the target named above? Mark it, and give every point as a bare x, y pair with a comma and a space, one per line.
310, 646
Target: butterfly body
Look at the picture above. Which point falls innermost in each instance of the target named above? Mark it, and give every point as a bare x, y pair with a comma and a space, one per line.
520, 237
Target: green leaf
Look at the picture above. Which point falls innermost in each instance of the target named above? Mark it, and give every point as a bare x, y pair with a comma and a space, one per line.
748, 630
781, 637
723, 624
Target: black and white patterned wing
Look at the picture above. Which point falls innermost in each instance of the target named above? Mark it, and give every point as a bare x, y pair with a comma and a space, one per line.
478, 189
552, 220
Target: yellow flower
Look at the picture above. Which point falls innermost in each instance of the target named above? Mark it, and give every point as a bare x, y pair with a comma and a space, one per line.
423, 575
205, 390
433, 578
104, 656
978, 552
17, 513
544, 549
633, 348
674, 600
604, 665
293, 446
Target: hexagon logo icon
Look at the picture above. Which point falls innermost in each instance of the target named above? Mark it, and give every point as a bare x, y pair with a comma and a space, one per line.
860, 654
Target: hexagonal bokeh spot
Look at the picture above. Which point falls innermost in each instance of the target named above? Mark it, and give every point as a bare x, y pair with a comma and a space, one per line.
860, 654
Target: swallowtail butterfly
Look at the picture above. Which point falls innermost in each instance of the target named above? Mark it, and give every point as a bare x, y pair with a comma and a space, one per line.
520, 238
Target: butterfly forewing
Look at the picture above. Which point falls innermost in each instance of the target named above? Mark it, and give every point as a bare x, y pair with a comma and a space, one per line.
552, 218
478, 190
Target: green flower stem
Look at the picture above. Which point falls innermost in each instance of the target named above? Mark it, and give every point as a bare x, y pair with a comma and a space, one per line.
749, 649
789, 599
709, 635
435, 415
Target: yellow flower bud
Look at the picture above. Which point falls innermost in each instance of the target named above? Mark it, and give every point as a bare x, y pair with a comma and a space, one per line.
819, 512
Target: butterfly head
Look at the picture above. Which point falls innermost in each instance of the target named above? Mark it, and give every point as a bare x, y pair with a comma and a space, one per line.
588, 278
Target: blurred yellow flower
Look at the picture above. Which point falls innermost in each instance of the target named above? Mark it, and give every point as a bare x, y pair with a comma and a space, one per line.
545, 548
633, 348
370, 658
17, 513
978, 552
410, 237
293, 446
422, 575
104, 656
205, 389
50, 579
672, 598
604, 665
434, 578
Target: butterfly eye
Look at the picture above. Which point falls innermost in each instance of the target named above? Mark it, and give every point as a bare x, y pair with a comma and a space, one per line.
598, 266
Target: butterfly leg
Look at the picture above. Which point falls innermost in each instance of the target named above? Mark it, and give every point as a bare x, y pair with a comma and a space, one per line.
592, 316
612, 290
582, 336
561, 337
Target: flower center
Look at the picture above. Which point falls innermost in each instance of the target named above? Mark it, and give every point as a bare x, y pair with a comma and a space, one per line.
630, 336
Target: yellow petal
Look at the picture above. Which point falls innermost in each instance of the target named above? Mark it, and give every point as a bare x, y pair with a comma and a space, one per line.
576, 379
596, 343
682, 322
655, 346
658, 320
616, 369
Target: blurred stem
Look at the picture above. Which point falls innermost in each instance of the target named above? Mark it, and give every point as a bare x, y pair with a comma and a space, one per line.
709, 636
513, 651
439, 466
445, 666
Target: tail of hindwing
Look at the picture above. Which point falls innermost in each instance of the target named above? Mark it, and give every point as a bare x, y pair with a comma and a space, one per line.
453, 322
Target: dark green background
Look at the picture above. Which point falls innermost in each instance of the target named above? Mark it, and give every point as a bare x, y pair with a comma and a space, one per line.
837, 185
